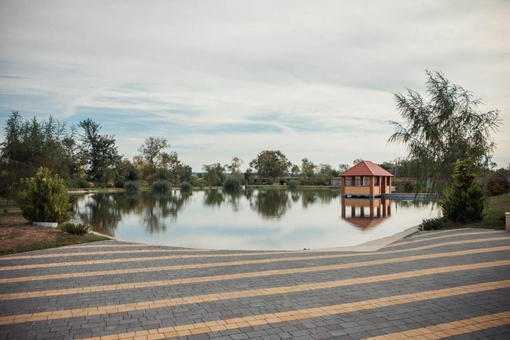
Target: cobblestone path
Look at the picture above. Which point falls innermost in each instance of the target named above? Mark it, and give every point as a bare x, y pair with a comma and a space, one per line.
433, 285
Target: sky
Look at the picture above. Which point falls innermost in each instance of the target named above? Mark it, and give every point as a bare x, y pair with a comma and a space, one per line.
218, 79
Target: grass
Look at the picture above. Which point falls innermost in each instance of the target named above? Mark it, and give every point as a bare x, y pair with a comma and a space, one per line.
61, 240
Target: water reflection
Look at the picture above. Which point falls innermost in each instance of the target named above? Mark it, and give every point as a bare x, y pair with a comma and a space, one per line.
213, 198
270, 203
368, 213
102, 211
250, 219
365, 213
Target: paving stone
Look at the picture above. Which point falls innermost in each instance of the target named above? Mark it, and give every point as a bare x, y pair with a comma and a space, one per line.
213, 276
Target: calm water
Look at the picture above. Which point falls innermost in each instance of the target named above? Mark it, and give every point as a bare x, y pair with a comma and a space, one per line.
250, 220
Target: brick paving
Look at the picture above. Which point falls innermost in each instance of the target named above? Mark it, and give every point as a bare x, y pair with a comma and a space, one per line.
451, 284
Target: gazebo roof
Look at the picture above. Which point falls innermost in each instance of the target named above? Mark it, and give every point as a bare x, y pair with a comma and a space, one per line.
366, 168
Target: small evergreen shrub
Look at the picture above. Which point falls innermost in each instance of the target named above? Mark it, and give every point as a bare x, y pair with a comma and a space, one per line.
75, 229
161, 187
186, 187
233, 184
43, 198
132, 187
434, 223
465, 200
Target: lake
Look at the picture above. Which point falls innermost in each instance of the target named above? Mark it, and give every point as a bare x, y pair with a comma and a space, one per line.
249, 220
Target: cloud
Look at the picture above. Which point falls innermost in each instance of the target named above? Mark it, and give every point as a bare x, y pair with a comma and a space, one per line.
232, 78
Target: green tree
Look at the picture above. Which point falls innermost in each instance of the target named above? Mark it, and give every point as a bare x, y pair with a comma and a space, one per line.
235, 165
295, 170
31, 144
271, 164
443, 129
464, 201
214, 174
126, 172
152, 151
323, 175
179, 172
307, 168
343, 167
99, 152
43, 198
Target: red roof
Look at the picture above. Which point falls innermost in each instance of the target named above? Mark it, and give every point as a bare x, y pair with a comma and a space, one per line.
366, 168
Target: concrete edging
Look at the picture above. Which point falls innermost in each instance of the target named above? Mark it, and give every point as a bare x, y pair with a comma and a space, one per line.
375, 244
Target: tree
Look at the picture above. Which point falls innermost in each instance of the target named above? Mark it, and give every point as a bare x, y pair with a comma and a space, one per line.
343, 167
235, 165
464, 201
271, 164
30, 144
126, 172
151, 151
443, 129
295, 170
214, 174
388, 166
324, 174
99, 152
357, 160
307, 168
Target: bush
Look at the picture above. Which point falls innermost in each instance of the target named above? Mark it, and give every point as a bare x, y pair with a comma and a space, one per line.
408, 186
82, 183
498, 185
186, 187
233, 184
434, 223
43, 198
161, 187
75, 229
464, 201
132, 187
293, 183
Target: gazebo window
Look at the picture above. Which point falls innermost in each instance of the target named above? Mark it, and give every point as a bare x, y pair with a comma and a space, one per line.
366, 181
348, 181
376, 180
357, 181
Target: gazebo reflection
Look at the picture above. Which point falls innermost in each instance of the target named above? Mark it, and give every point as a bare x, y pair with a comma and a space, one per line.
365, 213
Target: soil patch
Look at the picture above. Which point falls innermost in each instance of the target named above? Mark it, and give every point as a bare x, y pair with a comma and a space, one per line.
18, 235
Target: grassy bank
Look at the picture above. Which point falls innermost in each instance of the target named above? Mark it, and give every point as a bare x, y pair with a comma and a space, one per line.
18, 235
494, 215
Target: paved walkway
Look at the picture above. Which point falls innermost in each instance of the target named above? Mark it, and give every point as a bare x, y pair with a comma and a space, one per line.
447, 284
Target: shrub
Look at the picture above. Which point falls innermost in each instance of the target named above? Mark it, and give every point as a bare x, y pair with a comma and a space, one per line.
132, 187
82, 183
186, 187
408, 186
75, 229
293, 183
43, 198
232, 184
498, 185
161, 187
434, 223
464, 201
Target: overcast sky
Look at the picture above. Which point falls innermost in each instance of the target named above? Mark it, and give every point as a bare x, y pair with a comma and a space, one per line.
219, 79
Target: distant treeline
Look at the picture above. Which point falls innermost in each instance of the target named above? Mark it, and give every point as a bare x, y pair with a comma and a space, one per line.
84, 158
